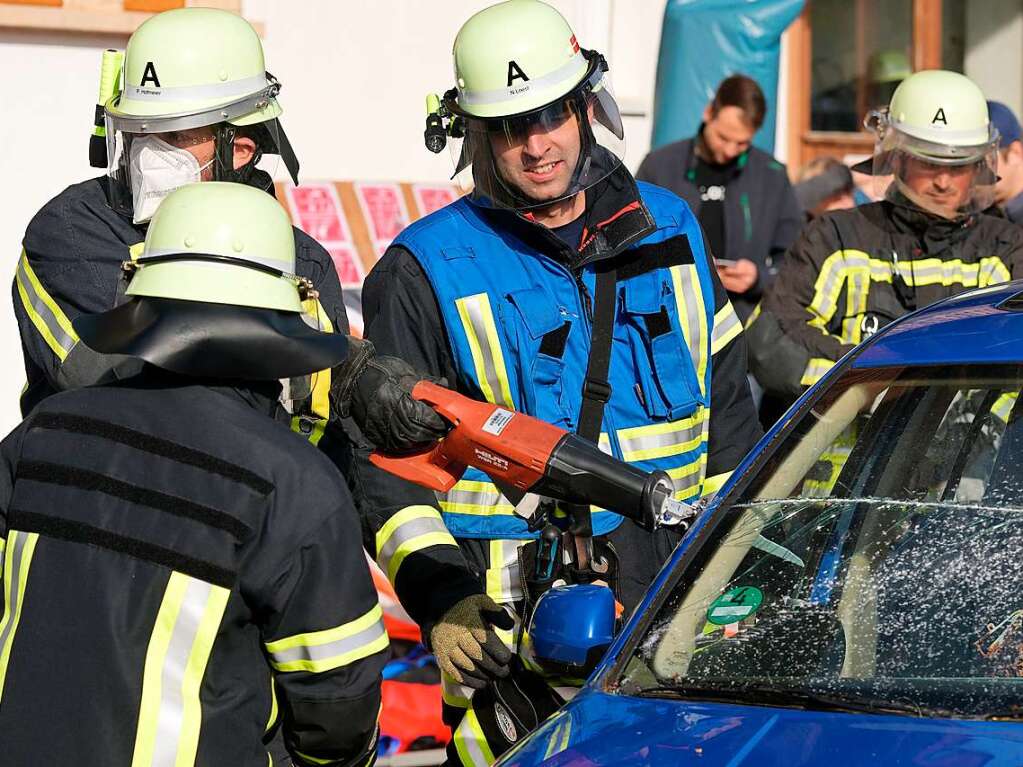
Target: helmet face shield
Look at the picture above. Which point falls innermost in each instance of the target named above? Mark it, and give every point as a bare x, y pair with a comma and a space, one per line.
943, 177
144, 167
543, 156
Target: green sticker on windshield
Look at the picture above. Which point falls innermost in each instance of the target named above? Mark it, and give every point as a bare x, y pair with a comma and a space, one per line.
735, 605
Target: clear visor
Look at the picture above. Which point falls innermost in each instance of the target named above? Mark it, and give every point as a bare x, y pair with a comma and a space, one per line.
948, 180
143, 168
541, 157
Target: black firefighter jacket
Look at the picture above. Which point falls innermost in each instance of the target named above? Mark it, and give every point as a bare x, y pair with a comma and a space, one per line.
853, 271
762, 214
172, 557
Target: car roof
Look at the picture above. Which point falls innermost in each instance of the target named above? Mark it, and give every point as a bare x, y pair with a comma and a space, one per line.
980, 326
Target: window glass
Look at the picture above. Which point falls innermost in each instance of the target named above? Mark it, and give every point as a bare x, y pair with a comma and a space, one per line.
873, 562
860, 52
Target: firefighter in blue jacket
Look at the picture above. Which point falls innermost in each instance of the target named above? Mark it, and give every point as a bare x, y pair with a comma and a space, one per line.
556, 267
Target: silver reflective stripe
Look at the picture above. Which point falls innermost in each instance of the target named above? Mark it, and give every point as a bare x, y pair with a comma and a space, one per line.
226, 90
333, 649
724, 330
175, 666
502, 576
475, 312
467, 97
690, 301
406, 532
660, 442
38, 305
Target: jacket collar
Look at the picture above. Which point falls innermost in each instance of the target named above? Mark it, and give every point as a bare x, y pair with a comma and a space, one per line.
615, 217
261, 396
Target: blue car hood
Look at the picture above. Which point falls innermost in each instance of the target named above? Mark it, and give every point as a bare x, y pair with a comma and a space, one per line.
601, 729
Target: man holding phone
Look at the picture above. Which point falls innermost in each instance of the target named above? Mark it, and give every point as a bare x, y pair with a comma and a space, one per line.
741, 195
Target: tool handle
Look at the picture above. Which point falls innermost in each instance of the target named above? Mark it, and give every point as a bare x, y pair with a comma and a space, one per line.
430, 469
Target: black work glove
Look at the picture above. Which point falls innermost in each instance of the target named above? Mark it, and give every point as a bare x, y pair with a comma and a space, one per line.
377, 392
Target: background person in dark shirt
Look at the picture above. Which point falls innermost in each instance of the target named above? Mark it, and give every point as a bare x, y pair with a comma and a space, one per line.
740, 194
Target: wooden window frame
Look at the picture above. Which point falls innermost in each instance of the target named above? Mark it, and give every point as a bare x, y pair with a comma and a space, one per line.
804, 144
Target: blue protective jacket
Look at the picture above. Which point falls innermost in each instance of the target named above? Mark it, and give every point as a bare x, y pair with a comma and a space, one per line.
518, 323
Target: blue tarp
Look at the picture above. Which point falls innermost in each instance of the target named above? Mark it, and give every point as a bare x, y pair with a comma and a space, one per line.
705, 41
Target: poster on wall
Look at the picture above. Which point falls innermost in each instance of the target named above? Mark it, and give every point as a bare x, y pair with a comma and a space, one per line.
431, 197
383, 207
316, 209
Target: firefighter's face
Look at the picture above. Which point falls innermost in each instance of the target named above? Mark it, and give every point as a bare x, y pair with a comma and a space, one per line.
539, 157
726, 134
200, 143
943, 189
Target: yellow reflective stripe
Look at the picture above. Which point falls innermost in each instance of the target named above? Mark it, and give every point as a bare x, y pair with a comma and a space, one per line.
828, 285
319, 651
689, 301
815, 370
136, 250
992, 271
753, 317
453, 693
726, 327
688, 478
412, 529
49, 319
714, 483
484, 343
3, 544
1001, 410
471, 744
502, 574
469, 496
273, 707
319, 399
661, 440
17, 562
170, 714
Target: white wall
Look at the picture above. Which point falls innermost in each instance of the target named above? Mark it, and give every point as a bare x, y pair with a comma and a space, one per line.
355, 77
994, 51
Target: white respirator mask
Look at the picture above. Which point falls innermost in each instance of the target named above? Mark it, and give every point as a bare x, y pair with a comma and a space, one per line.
156, 169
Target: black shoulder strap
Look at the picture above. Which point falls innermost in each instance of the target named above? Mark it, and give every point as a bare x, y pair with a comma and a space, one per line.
596, 389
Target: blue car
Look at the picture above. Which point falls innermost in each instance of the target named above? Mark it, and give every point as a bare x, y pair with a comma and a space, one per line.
854, 595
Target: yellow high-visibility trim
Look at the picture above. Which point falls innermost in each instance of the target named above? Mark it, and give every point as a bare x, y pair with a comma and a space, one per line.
416, 544
453, 693
727, 327
152, 682
1001, 410
313, 638
691, 303
696, 468
753, 317
136, 250
471, 743
320, 381
491, 353
26, 542
560, 738
273, 707
479, 488
63, 323
313, 759
663, 427
198, 658
815, 370
712, 484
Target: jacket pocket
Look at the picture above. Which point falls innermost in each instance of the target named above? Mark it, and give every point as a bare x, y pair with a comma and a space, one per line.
666, 373
542, 334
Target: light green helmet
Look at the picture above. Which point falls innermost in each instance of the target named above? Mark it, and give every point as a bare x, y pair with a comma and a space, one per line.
191, 76
936, 119
213, 293
515, 57
221, 243
520, 71
192, 67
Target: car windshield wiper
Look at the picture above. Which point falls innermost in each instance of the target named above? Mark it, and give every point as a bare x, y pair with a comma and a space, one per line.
756, 695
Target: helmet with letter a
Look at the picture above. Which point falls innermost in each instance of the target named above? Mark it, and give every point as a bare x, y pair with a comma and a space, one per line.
195, 103
532, 117
214, 293
935, 147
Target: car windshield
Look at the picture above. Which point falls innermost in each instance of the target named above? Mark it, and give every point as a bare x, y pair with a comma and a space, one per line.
871, 560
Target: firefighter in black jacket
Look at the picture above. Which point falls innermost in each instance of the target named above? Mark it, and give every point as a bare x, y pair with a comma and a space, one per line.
853, 271
182, 575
